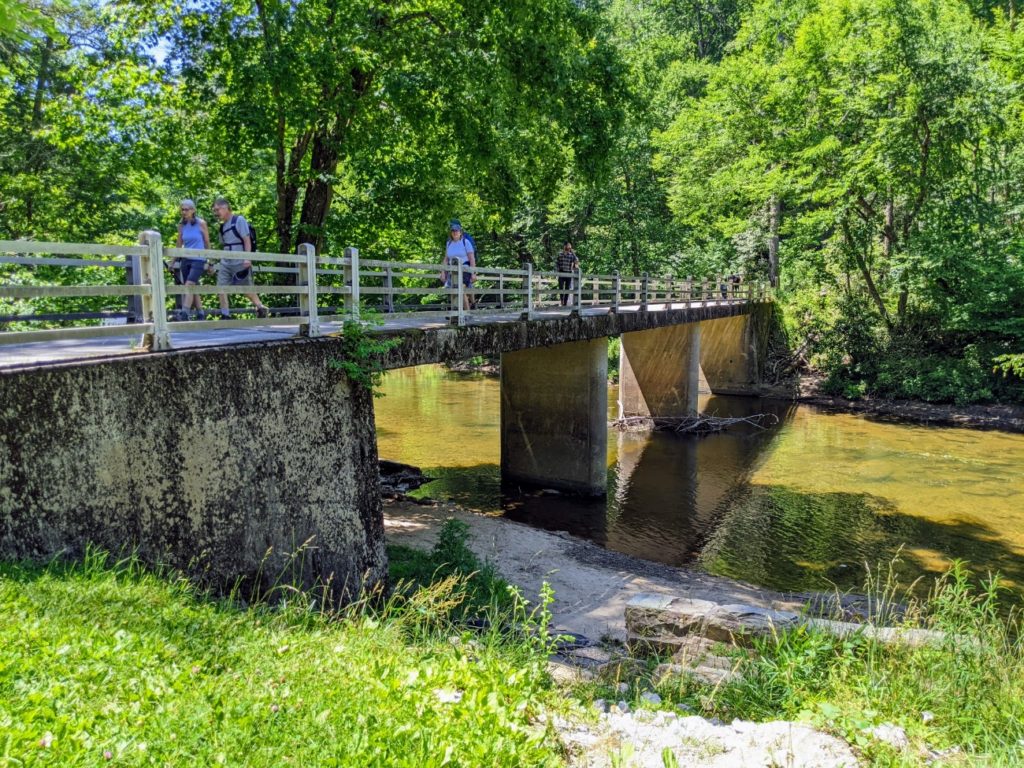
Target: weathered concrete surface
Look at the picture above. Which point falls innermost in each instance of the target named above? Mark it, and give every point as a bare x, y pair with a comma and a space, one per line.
732, 351
659, 371
202, 460
554, 416
443, 345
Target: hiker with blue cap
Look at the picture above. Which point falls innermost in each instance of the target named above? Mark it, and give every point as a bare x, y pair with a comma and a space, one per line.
460, 249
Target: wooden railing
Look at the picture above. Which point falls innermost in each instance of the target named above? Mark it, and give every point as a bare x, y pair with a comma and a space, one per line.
327, 289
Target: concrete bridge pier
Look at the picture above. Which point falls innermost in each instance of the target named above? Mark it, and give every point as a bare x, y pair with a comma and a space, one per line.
554, 416
659, 371
732, 349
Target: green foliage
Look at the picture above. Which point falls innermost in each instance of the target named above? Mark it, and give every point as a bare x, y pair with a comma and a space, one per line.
410, 569
1010, 364
972, 683
362, 353
962, 697
159, 675
863, 137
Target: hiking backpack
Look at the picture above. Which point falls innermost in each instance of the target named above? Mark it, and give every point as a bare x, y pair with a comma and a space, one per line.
232, 225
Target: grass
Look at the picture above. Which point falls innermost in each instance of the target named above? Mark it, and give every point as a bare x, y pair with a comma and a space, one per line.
960, 702
485, 591
113, 664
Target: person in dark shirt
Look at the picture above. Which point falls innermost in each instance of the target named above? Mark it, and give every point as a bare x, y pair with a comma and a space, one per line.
567, 261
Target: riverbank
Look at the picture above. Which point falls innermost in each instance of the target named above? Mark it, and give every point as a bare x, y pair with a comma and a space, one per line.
1008, 418
786, 700
591, 584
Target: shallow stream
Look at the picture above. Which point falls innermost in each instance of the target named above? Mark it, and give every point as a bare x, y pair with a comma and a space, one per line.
801, 505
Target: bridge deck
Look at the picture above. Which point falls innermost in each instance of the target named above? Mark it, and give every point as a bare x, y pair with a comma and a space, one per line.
16, 356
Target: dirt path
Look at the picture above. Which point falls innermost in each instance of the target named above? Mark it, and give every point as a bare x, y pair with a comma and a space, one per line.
592, 585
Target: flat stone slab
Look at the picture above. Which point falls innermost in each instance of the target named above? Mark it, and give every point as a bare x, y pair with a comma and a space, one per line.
663, 624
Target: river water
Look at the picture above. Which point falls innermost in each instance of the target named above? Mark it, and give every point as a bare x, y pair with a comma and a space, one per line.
805, 504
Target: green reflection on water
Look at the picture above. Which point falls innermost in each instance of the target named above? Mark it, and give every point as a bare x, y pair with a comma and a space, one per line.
804, 505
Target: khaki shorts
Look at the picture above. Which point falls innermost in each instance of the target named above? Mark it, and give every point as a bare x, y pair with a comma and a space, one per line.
226, 274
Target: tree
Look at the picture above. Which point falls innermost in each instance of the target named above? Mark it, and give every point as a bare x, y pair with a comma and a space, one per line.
870, 121
501, 94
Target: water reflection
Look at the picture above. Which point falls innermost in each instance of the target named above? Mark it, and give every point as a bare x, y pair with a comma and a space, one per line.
801, 505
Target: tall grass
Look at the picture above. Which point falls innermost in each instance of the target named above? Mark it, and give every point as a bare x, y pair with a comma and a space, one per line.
960, 700
104, 662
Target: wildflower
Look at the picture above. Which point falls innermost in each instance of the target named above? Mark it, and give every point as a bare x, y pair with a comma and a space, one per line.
274, 708
46, 741
108, 755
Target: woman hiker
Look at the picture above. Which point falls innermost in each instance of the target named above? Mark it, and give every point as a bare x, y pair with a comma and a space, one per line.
192, 233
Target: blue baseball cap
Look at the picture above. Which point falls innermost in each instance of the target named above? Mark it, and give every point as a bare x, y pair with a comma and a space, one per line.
455, 224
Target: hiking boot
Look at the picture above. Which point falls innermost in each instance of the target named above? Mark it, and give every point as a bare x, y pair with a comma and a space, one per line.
223, 316
262, 312
200, 315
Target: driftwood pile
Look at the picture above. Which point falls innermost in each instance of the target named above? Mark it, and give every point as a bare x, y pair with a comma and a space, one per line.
699, 424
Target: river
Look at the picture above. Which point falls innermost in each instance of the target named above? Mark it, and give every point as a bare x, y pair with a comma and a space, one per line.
805, 504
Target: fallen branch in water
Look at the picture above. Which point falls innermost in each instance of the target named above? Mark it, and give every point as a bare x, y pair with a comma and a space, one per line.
699, 424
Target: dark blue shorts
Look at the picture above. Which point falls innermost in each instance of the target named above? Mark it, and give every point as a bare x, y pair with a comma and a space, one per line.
192, 270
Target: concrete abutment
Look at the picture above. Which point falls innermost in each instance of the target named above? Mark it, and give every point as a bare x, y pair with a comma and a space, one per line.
733, 350
238, 466
554, 416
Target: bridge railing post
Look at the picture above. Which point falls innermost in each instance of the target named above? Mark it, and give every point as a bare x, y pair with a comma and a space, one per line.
645, 291
670, 290
579, 289
528, 313
389, 284
617, 298
688, 285
154, 303
461, 315
308, 299
501, 289
352, 280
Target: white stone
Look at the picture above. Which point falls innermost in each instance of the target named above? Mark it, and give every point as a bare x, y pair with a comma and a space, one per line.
890, 734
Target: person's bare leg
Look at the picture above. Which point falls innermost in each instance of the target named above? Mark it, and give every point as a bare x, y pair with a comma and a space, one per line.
255, 299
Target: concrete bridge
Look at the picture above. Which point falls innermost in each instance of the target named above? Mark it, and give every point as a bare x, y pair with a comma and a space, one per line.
245, 454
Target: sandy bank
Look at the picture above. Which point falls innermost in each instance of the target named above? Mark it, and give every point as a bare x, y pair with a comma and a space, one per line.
592, 585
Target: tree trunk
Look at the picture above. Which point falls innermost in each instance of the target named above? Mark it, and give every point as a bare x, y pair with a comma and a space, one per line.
316, 204
35, 154
288, 189
774, 220
865, 271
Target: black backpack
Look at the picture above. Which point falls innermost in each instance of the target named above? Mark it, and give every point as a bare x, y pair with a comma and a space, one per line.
233, 226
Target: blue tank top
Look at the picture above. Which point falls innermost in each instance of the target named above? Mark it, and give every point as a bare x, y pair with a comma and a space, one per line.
192, 235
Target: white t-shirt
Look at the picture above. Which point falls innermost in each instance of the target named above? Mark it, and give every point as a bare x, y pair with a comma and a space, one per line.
458, 250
